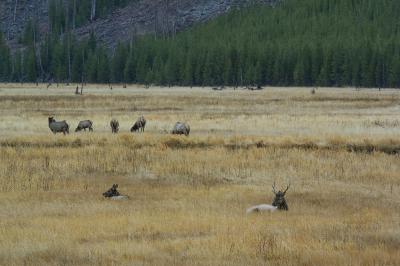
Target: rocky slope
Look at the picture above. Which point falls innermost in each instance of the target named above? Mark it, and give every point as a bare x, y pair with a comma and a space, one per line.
159, 17
14, 15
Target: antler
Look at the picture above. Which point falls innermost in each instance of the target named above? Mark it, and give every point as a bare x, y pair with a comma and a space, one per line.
273, 188
288, 186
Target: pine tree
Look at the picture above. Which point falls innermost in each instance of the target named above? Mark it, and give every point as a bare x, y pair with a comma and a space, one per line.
30, 65
17, 74
103, 68
118, 63
299, 73
130, 69
77, 63
5, 60
189, 71
394, 72
91, 68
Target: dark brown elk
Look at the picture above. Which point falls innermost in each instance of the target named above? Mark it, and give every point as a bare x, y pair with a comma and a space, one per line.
139, 124
279, 203
279, 200
114, 124
112, 192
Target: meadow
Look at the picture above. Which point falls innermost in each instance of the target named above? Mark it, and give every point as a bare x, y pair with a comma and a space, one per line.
338, 148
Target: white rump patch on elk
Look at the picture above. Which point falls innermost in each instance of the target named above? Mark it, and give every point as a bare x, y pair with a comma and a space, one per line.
261, 208
121, 197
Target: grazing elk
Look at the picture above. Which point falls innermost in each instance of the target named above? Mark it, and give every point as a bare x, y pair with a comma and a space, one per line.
279, 203
60, 126
114, 124
139, 124
181, 129
86, 124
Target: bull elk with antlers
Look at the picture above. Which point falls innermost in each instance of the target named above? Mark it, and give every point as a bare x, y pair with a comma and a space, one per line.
279, 202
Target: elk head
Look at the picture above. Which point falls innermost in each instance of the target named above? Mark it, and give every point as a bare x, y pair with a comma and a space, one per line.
112, 191
279, 200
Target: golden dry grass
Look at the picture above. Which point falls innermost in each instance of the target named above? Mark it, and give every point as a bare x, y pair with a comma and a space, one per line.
338, 148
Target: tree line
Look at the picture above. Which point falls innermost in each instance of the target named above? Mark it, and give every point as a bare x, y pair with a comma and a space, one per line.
296, 43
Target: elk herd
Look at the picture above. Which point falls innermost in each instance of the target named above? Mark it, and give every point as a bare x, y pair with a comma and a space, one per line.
279, 202
63, 127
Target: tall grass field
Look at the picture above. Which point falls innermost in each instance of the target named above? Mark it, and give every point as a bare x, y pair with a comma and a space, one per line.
338, 148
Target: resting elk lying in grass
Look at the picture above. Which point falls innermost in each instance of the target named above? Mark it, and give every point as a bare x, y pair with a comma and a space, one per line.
114, 194
279, 203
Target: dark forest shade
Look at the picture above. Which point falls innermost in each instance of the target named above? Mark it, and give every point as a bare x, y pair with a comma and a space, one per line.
300, 43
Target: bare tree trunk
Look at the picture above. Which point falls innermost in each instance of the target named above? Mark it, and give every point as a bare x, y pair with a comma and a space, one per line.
40, 63
47, 49
174, 29
175, 19
15, 9
83, 66
74, 15
93, 10
39, 52
167, 20
20, 73
68, 33
34, 43
9, 26
69, 58
155, 23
